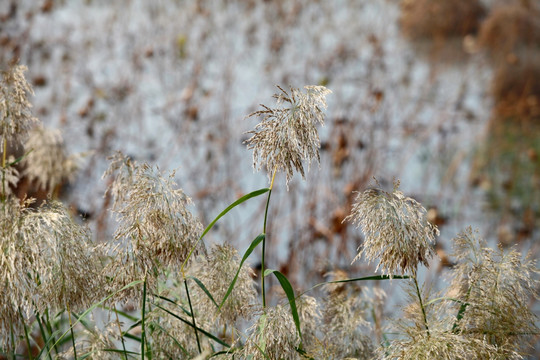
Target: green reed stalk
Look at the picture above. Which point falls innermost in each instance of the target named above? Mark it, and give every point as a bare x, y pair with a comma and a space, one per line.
49, 328
421, 303
72, 334
192, 317
264, 240
43, 334
4, 175
143, 330
27, 338
120, 331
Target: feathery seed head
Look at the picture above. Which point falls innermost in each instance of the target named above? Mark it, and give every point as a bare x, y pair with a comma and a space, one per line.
443, 345
47, 162
14, 286
64, 261
396, 230
15, 116
344, 322
46, 259
216, 272
498, 287
310, 317
441, 341
156, 230
287, 134
275, 334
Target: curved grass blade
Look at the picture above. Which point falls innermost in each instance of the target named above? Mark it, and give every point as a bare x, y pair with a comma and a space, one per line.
20, 158
121, 351
42, 332
46, 349
26, 336
120, 312
175, 303
91, 308
223, 352
444, 298
143, 314
187, 322
366, 278
201, 285
158, 326
304, 354
233, 205
286, 286
221, 214
248, 252
192, 317
459, 316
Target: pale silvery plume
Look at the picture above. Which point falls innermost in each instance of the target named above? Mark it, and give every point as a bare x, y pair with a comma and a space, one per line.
15, 116
498, 287
310, 318
274, 333
47, 162
156, 231
439, 341
14, 285
216, 271
343, 321
46, 261
438, 344
396, 230
287, 134
62, 260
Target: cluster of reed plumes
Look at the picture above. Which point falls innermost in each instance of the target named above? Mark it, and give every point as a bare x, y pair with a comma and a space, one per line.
194, 300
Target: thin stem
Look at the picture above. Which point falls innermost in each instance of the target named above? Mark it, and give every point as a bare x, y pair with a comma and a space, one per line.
4, 154
421, 303
72, 334
49, 328
120, 331
192, 317
27, 338
264, 240
143, 331
4, 175
12, 342
43, 334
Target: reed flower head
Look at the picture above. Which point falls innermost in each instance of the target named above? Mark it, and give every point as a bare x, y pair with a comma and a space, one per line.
275, 334
65, 264
156, 230
47, 162
287, 134
14, 286
345, 327
415, 341
444, 345
15, 116
498, 287
216, 271
46, 261
310, 318
396, 230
